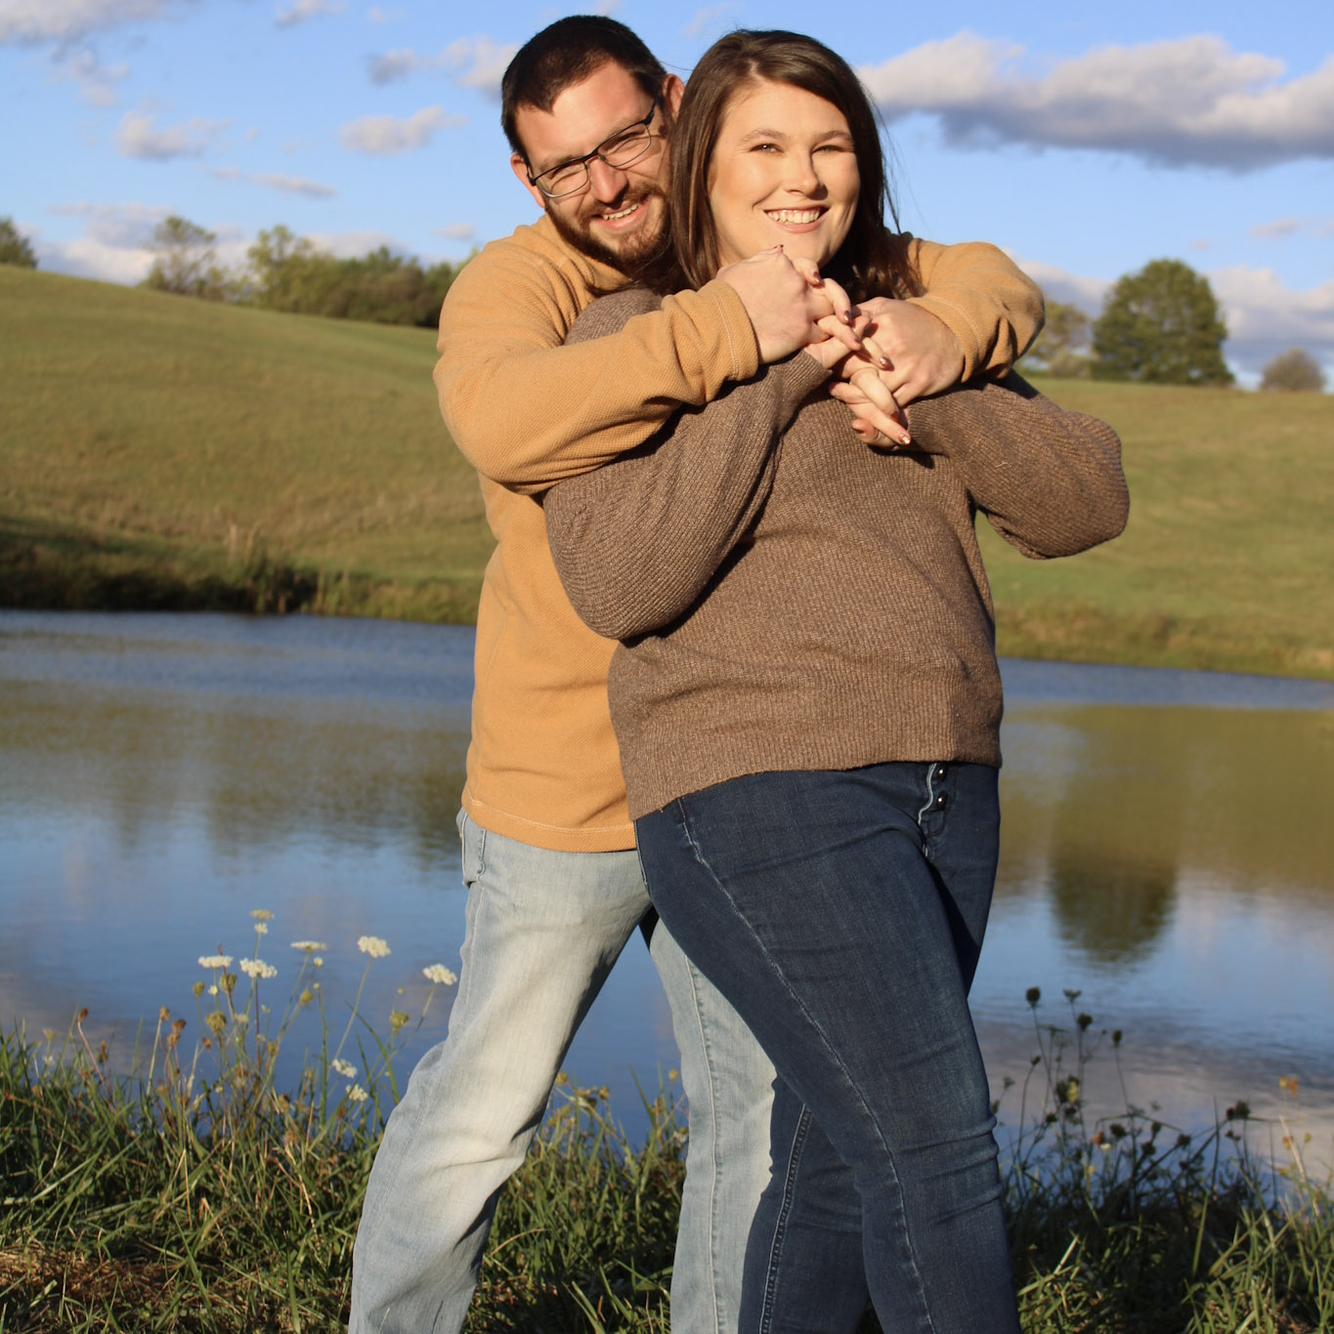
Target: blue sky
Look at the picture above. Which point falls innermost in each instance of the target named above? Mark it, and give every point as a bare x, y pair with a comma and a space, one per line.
1084, 140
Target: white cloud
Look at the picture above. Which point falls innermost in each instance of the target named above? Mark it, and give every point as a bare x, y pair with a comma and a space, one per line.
117, 242
86, 258
1264, 317
1282, 227
353, 245
473, 62
1070, 288
395, 65
1194, 101
1285, 227
480, 61
116, 226
383, 136
295, 185
457, 231
33, 21
139, 137
96, 81
302, 11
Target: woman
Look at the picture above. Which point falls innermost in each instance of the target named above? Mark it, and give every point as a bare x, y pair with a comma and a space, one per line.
807, 698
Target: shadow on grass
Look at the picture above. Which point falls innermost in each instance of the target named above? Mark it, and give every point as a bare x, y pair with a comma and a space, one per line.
45, 566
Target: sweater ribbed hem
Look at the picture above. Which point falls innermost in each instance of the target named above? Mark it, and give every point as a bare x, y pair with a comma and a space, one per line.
554, 838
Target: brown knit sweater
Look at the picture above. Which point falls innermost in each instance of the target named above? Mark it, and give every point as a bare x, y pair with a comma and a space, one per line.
789, 599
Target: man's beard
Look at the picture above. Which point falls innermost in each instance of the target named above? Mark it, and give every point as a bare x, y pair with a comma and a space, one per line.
637, 247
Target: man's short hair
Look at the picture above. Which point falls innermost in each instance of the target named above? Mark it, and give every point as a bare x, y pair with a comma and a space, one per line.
566, 53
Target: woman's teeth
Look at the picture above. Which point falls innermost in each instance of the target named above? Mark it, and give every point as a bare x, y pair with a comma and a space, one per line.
795, 216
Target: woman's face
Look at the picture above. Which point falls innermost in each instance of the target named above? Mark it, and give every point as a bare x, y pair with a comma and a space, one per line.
783, 172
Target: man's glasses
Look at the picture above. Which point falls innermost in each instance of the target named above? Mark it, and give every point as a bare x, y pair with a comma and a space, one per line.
622, 149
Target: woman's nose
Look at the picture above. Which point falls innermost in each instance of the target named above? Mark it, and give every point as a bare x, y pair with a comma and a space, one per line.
802, 175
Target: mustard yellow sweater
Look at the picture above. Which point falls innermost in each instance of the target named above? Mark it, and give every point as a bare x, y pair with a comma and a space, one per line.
527, 412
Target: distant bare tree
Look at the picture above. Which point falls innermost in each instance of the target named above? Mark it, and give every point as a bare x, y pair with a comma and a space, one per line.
186, 262
1295, 371
1062, 348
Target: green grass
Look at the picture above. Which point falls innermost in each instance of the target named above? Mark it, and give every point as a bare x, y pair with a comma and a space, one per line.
162, 452
151, 1205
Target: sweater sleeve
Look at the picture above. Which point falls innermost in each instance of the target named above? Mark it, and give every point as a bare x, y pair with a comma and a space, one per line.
991, 306
637, 542
1048, 480
527, 411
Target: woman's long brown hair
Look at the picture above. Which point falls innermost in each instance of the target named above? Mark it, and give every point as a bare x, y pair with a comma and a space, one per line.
872, 261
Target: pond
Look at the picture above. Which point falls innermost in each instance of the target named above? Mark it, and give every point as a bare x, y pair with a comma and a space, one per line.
1168, 853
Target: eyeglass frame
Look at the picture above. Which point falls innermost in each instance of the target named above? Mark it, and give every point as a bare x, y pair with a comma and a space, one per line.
587, 158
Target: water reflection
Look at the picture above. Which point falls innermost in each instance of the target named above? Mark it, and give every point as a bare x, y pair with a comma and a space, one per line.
1166, 847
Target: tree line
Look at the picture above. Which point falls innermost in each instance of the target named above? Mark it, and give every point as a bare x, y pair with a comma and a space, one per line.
1161, 325
290, 273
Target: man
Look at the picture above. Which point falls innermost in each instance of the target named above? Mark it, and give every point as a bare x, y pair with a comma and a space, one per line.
555, 889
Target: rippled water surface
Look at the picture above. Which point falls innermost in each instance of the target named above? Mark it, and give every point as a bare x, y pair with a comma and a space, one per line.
1168, 850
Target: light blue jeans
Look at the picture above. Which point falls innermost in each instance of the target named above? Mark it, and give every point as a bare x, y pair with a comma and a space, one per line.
543, 931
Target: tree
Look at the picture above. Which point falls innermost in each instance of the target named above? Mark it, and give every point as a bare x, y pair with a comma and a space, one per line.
1296, 371
186, 262
287, 272
15, 247
1161, 325
1062, 348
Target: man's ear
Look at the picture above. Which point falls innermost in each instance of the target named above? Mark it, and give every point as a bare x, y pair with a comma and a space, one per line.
520, 168
672, 92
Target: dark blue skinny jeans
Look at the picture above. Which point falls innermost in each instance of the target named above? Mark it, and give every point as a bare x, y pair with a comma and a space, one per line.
842, 915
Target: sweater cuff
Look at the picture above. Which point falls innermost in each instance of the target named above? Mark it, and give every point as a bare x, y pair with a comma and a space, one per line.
743, 346
975, 349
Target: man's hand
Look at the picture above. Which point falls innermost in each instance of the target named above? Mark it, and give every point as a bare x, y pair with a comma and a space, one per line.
786, 300
920, 354
877, 417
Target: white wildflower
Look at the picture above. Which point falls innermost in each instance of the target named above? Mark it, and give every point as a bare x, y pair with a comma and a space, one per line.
356, 1093
215, 960
256, 968
309, 946
373, 945
344, 1068
318, 961
261, 914
241, 1017
438, 974
261, 928
213, 990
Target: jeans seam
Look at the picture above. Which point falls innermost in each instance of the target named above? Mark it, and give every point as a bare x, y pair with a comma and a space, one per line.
784, 1211
716, 1164
698, 855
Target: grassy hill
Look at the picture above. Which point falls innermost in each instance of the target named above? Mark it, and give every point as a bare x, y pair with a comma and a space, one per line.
160, 452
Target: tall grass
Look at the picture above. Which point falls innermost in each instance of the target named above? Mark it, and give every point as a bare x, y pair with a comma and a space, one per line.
192, 1193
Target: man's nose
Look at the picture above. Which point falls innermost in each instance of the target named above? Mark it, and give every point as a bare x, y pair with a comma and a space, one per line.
607, 183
